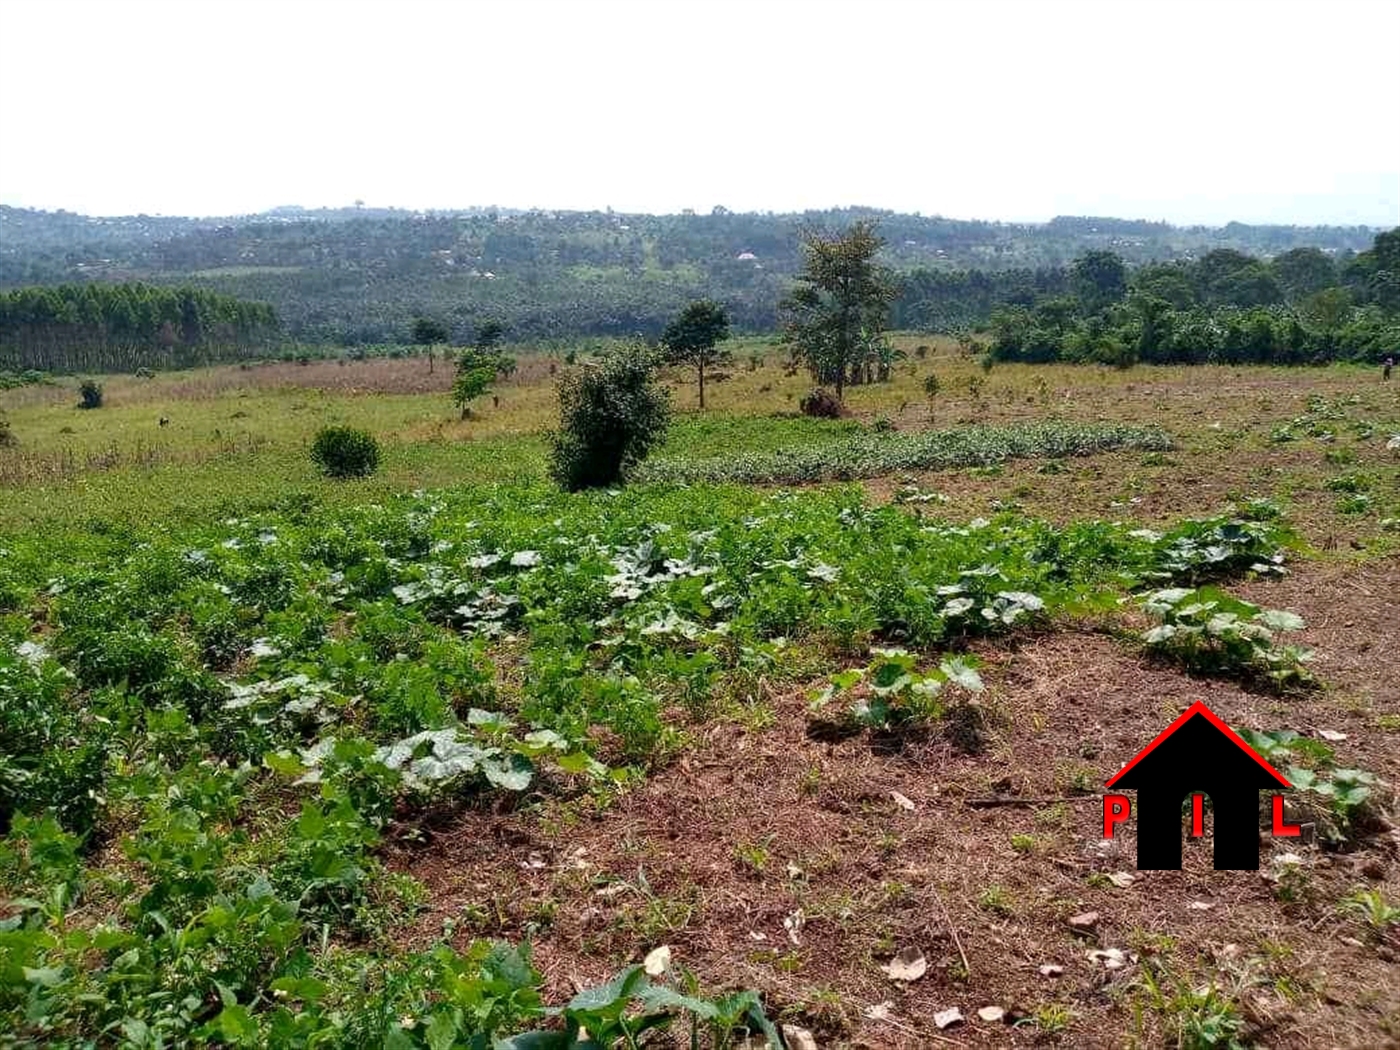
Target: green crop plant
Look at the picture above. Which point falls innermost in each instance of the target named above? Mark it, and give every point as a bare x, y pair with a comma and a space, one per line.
211, 729
1210, 632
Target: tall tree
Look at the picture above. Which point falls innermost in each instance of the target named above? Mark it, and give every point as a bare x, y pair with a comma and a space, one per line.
427, 332
840, 304
489, 334
1099, 279
1302, 272
693, 339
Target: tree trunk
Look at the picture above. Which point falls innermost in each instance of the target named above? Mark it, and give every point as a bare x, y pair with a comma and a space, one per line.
702, 386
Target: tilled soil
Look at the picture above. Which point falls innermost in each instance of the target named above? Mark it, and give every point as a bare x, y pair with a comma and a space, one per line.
771, 859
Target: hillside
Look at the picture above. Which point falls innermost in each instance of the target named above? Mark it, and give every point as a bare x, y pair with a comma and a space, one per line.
359, 275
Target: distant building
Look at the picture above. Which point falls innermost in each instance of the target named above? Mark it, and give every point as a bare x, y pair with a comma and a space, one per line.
746, 257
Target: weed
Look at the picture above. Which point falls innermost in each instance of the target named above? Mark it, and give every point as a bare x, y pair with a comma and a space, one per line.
1371, 907
752, 856
1052, 1019
997, 899
1197, 1016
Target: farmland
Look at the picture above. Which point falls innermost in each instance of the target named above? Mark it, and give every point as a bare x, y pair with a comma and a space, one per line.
805, 727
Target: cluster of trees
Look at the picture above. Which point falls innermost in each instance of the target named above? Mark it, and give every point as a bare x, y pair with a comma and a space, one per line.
358, 276
1299, 307
121, 327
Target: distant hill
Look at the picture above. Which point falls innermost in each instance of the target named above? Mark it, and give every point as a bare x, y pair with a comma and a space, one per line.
361, 275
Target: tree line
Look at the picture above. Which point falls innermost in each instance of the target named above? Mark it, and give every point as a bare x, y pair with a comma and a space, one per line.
354, 277
121, 327
1300, 307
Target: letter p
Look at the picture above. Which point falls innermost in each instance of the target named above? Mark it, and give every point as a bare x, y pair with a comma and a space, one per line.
1115, 811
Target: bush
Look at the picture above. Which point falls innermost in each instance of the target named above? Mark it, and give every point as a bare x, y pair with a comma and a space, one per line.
345, 452
610, 416
91, 393
7, 437
821, 404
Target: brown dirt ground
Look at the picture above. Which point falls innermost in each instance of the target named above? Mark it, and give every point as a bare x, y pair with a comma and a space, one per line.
761, 826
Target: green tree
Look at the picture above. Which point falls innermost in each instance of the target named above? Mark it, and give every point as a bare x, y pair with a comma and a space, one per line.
611, 414
1099, 279
476, 371
1168, 281
489, 334
1328, 310
1303, 272
1252, 285
427, 332
840, 304
693, 339
1155, 330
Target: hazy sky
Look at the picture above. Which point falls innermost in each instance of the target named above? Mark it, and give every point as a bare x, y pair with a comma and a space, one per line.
1207, 111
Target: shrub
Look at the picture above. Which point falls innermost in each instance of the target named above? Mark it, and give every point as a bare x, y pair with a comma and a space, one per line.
7, 437
610, 416
91, 393
821, 404
345, 452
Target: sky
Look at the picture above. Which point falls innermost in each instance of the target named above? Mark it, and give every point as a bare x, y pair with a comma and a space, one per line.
1191, 111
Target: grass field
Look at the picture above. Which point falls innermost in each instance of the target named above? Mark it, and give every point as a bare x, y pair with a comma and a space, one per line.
208, 655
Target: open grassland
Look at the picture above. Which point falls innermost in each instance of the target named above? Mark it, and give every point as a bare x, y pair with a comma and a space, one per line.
238, 436
310, 746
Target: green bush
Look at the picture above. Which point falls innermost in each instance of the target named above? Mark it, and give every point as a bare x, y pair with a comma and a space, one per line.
345, 452
611, 415
91, 393
7, 437
821, 404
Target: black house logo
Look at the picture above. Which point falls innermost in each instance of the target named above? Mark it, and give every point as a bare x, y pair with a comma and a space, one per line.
1197, 755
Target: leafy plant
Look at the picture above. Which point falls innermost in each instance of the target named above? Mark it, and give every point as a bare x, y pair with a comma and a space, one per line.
1371, 907
345, 452
891, 691
1208, 631
1342, 800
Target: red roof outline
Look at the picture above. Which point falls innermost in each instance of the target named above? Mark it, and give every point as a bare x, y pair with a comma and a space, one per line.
1199, 708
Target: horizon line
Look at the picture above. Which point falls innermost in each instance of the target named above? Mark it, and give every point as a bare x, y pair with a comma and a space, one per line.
272, 210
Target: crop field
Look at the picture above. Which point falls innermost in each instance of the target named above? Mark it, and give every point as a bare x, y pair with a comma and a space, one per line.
797, 739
